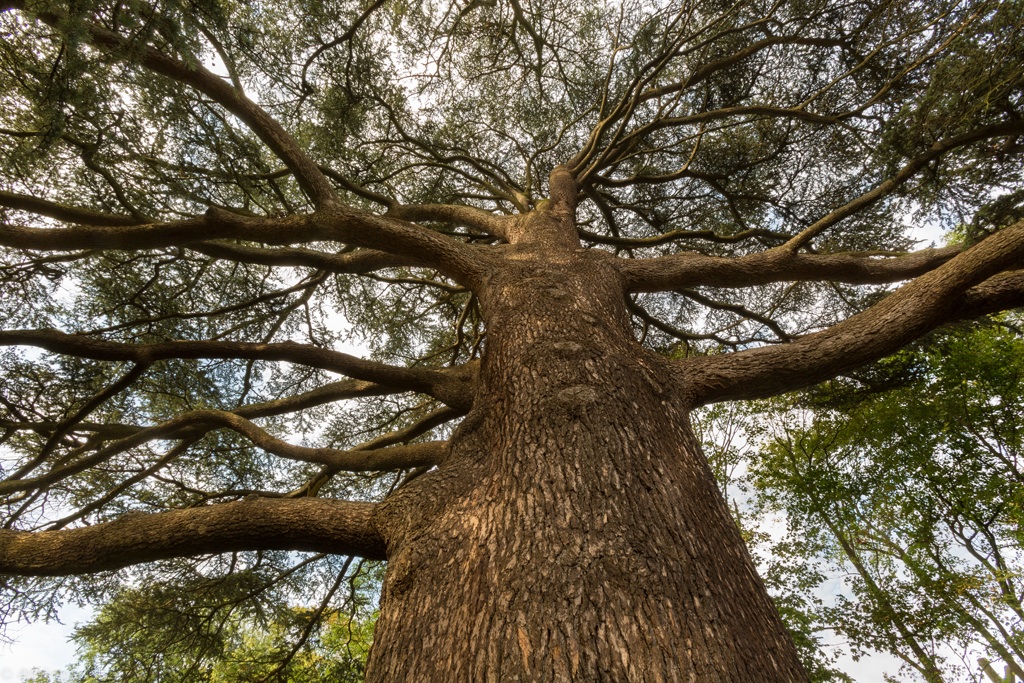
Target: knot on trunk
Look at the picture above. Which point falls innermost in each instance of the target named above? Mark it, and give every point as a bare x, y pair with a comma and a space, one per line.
574, 400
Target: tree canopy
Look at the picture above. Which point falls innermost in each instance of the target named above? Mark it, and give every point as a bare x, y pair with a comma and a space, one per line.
904, 483
260, 259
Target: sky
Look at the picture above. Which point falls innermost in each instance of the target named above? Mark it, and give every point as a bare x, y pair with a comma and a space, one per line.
40, 646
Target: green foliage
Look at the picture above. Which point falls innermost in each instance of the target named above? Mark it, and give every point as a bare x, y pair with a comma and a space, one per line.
203, 630
909, 482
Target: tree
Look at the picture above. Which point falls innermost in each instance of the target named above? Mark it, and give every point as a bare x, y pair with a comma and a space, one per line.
917, 489
568, 224
157, 634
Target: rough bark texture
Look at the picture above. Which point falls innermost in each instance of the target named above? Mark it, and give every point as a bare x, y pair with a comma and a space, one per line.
575, 531
315, 525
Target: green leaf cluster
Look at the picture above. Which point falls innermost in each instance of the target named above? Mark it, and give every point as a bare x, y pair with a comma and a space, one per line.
907, 485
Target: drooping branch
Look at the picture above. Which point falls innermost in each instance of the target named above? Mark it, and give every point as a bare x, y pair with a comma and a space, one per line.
67, 425
971, 284
741, 311
124, 485
329, 393
431, 453
689, 269
304, 287
682, 335
337, 391
192, 425
375, 456
435, 383
308, 524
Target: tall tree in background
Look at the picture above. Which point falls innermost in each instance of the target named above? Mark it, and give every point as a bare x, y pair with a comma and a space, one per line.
568, 224
916, 493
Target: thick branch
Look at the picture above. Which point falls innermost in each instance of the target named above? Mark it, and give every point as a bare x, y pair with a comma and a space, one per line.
999, 293
775, 265
469, 216
357, 262
367, 460
214, 224
407, 241
967, 286
309, 524
564, 191
68, 214
443, 385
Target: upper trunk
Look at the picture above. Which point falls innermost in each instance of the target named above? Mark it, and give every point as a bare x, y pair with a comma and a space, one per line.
575, 532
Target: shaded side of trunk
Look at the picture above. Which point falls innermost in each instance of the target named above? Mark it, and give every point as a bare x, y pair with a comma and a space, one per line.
575, 533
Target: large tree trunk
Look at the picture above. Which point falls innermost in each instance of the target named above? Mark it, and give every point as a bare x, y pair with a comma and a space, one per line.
575, 533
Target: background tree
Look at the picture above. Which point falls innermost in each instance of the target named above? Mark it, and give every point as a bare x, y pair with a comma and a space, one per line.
909, 479
205, 633
568, 224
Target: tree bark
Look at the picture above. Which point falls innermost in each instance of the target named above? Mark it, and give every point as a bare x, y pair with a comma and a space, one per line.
575, 531
306, 524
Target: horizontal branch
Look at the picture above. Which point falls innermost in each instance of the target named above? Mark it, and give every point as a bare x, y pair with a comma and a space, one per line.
308, 524
689, 269
680, 235
353, 262
214, 224
446, 386
969, 285
61, 212
405, 242
798, 113
469, 216
191, 425
328, 393
368, 460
